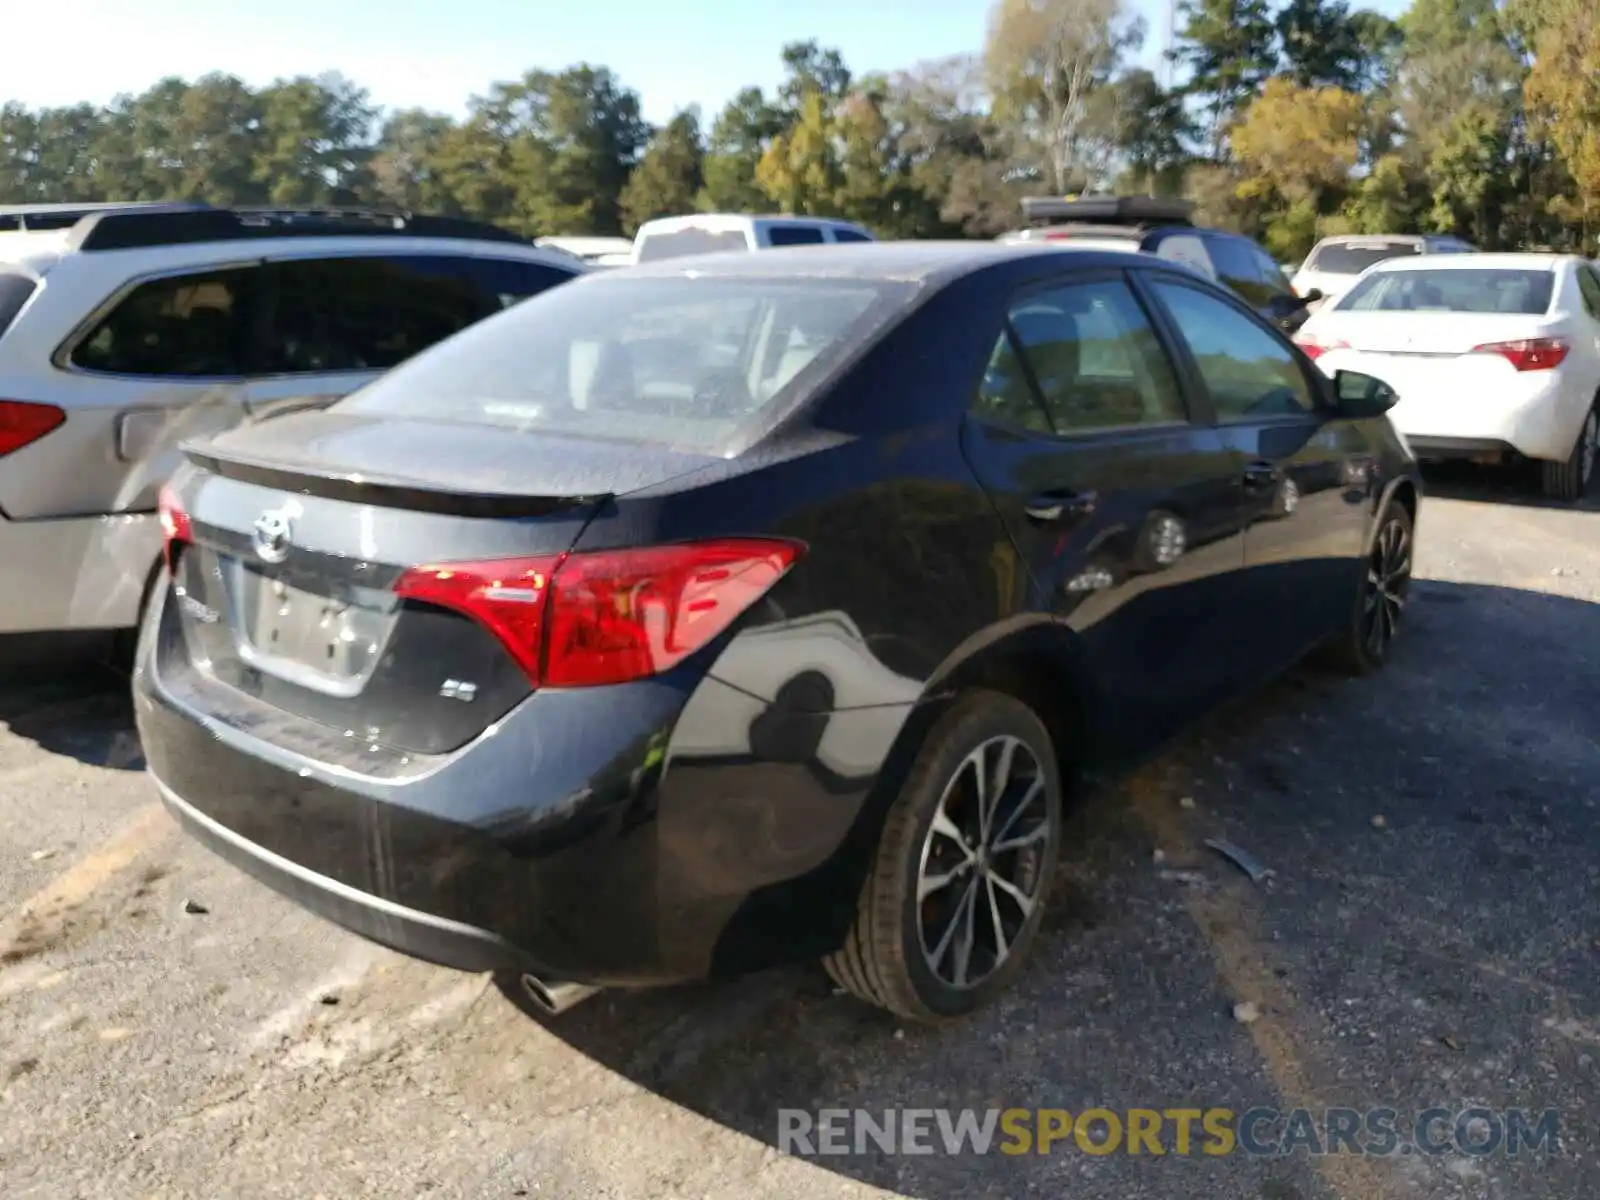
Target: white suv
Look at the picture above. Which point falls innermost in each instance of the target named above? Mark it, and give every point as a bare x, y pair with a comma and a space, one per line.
127, 329
710, 233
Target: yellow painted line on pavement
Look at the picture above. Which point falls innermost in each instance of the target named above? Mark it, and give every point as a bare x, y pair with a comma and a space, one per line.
147, 828
1285, 1028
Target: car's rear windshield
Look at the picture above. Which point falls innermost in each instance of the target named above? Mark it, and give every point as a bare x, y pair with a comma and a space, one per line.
1347, 258
15, 288
686, 363
677, 243
1474, 290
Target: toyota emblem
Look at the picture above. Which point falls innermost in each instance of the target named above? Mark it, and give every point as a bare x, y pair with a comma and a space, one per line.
273, 535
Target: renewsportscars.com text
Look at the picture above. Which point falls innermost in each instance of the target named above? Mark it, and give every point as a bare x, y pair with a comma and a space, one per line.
1211, 1132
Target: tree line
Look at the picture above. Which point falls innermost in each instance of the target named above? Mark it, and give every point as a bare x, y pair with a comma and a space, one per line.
1285, 120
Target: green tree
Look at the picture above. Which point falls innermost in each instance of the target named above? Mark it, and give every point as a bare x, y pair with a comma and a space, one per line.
1227, 47
739, 137
801, 171
669, 176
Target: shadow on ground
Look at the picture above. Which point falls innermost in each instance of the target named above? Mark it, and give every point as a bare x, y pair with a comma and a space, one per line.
1432, 920
69, 700
1516, 485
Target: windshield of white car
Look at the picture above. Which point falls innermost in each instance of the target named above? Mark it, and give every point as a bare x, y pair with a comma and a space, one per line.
684, 363
1345, 258
1475, 290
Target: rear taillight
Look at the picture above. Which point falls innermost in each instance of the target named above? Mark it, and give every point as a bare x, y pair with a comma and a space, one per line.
22, 423
606, 616
1528, 354
1315, 349
176, 529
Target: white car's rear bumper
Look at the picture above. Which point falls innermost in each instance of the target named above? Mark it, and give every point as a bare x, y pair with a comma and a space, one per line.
1476, 403
75, 573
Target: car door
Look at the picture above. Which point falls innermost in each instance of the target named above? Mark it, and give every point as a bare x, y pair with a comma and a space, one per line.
1305, 480
334, 322
1120, 503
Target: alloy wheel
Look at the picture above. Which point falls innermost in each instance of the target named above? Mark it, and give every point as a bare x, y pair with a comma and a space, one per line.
1589, 444
1388, 579
982, 862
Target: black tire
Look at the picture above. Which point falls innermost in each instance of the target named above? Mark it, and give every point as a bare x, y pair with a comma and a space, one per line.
1568, 481
885, 959
1383, 591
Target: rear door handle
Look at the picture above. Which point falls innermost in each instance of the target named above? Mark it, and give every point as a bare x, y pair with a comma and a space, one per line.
1261, 475
1050, 507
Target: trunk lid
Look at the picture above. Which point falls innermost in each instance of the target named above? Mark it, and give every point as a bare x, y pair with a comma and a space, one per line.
1431, 334
299, 529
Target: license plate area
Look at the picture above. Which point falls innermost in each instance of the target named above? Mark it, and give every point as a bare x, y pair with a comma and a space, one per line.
329, 639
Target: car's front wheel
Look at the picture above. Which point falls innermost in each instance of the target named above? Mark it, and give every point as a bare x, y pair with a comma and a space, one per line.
953, 902
1364, 644
1569, 480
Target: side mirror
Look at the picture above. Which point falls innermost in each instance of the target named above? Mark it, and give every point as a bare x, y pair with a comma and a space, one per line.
1312, 296
1362, 395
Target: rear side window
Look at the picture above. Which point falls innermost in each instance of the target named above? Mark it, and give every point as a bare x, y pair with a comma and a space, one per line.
1470, 290
794, 235
679, 362
1352, 258
1588, 284
678, 243
15, 290
1188, 249
186, 326
850, 235
1094, 358
367, 314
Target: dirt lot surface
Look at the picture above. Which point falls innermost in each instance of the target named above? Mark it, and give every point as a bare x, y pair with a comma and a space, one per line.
1429, 938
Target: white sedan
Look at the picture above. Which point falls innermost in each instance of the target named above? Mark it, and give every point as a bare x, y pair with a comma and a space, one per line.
1492, 355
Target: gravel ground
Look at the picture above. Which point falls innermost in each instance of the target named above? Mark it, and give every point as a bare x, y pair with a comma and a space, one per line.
1428, 938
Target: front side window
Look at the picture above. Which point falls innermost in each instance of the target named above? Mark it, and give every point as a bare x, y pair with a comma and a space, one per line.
1237, 268
508, 280
1094, 357
1249, 371
183, 327
794, 235
681, 362
332, 315
850, 235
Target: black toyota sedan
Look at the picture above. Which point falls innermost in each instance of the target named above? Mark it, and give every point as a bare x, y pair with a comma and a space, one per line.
699, 617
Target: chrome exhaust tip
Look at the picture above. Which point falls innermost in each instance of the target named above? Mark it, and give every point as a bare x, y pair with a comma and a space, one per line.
556, 996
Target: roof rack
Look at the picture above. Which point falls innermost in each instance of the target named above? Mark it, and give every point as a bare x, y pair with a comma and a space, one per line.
27, 218
1107, 210
127, 227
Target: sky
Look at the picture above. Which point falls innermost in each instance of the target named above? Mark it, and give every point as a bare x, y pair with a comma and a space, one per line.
436, 53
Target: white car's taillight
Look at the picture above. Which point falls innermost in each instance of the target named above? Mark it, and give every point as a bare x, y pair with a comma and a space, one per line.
1528, 354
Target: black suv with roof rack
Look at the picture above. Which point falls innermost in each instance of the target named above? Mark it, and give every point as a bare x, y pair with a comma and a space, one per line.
1164, 227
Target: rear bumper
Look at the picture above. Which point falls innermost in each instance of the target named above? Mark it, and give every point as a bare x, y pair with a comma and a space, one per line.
408, 930
657, 832
75, 573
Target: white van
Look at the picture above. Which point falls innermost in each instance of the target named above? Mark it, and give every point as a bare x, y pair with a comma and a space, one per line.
709, 233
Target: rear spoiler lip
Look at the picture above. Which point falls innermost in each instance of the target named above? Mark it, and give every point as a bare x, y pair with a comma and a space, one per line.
384, 492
